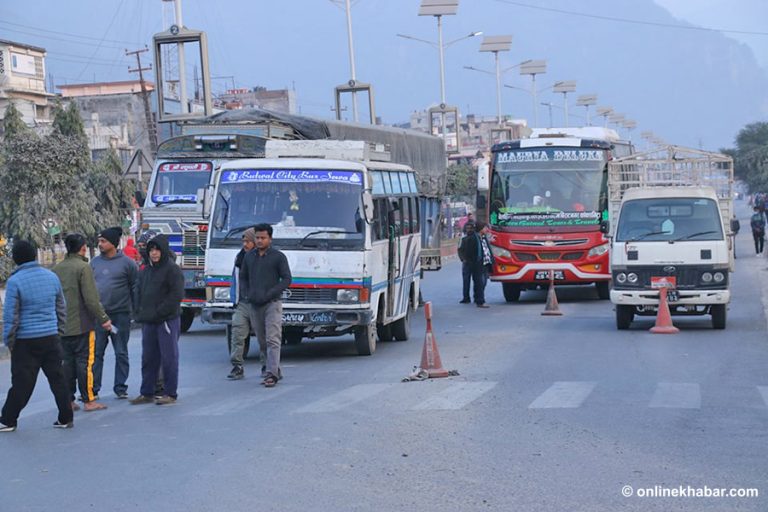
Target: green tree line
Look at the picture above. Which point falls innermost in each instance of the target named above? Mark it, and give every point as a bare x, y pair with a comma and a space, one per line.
750, 156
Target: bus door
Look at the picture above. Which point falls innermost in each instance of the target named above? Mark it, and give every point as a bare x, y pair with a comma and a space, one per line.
393, 256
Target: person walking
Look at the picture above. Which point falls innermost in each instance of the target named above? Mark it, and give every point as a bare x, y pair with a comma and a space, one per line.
466, 271
757, 223
83, 307
474, 256
266, 274
735, 228
161, 289
117, 281
241, 323
33, 315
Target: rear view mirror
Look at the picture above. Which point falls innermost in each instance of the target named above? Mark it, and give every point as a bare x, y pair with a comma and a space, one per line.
368, 207
605, 227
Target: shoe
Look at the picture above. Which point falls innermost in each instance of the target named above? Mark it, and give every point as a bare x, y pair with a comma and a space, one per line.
121, 395
58, 424
464, 301
7, 428
483, 305
75, 406
141, 399
93, 406
236, 373
165, 400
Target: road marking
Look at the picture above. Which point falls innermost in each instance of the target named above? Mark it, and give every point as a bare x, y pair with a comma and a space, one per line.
455, 397
764, 392
345, 398
236, 404
677, 395
563, 395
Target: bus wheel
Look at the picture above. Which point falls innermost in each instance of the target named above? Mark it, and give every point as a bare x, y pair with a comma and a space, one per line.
187, 317
624, 317
401, 329
365, 339
603, 290
511, 292
719, 316
246, 345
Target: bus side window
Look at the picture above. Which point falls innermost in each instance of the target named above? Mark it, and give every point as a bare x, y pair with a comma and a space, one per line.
395, 218
415, 214
376, 224
381, 219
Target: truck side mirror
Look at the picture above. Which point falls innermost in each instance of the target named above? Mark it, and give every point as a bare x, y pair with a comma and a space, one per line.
605, 227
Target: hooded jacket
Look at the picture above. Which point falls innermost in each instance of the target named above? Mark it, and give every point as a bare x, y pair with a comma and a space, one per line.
161, 286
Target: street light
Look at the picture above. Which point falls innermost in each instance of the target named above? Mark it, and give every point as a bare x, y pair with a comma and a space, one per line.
629, 125
605, 112
585, 100
496, 44
564, 87
533, 68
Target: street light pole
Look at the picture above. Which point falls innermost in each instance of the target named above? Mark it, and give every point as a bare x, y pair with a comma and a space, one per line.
182, 62
351, 58
497, 44
533, 68
564, 87
441, 50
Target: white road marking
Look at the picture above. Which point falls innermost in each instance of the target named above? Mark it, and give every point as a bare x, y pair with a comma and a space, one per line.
677, 395
237, 404
455, 397
345, 398
764, 392
563, 395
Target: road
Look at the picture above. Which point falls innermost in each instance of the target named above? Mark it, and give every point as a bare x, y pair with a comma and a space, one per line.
548, 413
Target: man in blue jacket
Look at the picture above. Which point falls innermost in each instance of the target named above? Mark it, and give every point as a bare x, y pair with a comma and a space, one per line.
33, 316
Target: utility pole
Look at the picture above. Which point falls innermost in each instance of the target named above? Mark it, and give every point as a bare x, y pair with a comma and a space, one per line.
151, 129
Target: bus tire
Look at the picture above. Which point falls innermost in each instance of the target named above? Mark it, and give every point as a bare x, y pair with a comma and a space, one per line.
246, 345
187, 317
401, 329
624, 317
365, 339
719, 315
511, 292
603, 290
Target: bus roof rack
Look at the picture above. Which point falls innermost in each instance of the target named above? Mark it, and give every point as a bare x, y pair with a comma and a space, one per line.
355, 150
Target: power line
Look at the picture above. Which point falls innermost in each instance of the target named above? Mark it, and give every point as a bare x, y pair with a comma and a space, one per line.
636, 22
106, 31
78, 36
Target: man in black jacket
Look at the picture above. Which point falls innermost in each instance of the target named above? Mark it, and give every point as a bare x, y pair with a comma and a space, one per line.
265, 275
161, 289
475, 254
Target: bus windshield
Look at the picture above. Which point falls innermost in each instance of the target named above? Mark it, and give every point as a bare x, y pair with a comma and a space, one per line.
669, 219
178, 182
547, 187
308, 209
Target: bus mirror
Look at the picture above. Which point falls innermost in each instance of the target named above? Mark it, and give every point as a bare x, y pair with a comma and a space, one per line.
483, 176
368, 207
605, 226
204, 196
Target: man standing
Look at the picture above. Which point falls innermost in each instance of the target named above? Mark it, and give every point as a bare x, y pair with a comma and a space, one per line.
466, 272
241, 323
33, 315
161, 289
266, 274
475, 258
79, 338
757, 223
484, 231
116, 279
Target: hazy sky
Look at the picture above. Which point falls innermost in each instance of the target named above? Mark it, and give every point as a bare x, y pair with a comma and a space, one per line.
302, 44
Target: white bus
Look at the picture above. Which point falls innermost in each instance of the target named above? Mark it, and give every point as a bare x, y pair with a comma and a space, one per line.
349, 226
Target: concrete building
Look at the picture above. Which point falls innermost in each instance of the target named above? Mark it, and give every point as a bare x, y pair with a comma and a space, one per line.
280, 100
22, 81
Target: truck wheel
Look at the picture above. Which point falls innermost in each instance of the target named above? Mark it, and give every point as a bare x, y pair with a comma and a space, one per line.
624, 317
511, 292
187, 317
365, 339
246, 345
293, 337
384, 332
603, 290
719, 315
401, 329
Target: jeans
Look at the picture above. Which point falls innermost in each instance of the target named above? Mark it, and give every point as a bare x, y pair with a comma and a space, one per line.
160, 349
759, 241
466, 277
479, 276
122, 321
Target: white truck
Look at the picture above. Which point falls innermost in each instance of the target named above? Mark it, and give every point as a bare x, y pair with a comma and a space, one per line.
670, 212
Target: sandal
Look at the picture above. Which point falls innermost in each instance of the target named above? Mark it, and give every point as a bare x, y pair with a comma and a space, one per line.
270, 381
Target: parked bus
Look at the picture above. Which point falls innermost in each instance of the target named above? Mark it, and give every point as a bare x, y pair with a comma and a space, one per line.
349, 223
545, 198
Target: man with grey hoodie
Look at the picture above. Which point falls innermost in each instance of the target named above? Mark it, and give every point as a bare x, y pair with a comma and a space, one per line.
117, 281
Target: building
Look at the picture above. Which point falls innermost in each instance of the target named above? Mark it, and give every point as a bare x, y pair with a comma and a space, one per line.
280, 100
22, 82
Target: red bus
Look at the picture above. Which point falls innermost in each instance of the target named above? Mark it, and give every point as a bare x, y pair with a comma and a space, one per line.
545, 199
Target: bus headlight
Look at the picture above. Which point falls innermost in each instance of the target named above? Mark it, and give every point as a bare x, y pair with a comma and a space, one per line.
500, 252
706, 277
221, 294
632, 277
598, 250
348, 295
719, 277
621, 278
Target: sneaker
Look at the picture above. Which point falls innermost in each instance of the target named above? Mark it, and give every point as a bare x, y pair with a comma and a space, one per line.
483, 305
141, 399
121, 395
58, 424
7, 428
236, 373
165, 400
75, 406
93, 406
464, 301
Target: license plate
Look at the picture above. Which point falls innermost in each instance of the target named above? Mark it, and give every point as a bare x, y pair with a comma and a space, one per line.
673, 296
314, 318
544, 274
663, 282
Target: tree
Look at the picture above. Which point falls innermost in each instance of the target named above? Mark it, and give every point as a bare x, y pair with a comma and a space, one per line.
111, 191
462, 182
13, 123
751, 156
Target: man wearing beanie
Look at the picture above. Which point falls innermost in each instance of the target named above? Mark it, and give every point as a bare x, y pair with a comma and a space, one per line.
83, 312
241, 324
33, 315
117, 281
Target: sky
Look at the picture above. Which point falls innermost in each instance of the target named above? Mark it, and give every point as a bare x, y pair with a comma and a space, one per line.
302, 44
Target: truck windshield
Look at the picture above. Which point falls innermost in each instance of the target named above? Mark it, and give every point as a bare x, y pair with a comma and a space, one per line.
308, 209
178, 182
547, 187
671, 219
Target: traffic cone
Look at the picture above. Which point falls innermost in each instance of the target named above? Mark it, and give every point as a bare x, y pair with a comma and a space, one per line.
430, 356
663, 316
552, 308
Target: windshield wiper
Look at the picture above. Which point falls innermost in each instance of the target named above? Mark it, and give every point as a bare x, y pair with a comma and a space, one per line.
321, 231
177, 201
640, 237
238, 229
686, 237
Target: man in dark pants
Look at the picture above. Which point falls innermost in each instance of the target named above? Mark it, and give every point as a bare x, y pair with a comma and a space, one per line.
475, 259
83, 307
466, 271
161, 289
33, 315
117, 279
265, 275
757, 223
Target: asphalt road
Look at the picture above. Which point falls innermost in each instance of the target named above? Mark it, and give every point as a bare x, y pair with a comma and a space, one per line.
548, 413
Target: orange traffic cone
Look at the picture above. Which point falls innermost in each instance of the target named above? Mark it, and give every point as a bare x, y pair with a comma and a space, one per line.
663, 316
552, 308
430, 356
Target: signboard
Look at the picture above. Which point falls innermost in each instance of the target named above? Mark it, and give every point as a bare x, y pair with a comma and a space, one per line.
291, 176
185, 167
551, 155
517, 217
663, 282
